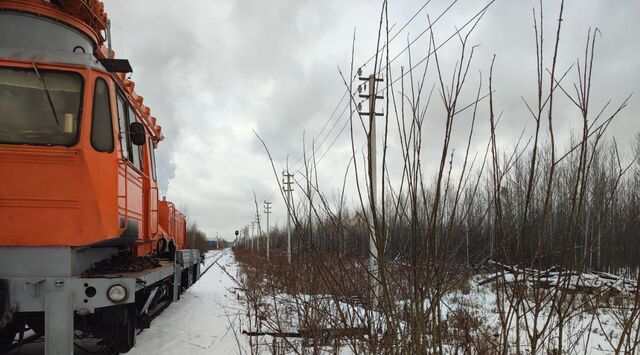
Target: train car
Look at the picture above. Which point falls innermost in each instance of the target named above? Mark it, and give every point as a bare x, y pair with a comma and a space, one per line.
172, 223
86, 246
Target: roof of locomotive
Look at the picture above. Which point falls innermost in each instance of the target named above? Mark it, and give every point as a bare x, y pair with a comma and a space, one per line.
89, 17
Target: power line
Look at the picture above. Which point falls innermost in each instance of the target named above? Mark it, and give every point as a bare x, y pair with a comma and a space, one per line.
346, 92
392, 60
479, 13
340, 117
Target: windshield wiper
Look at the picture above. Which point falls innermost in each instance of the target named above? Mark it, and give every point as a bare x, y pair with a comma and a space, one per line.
53, 109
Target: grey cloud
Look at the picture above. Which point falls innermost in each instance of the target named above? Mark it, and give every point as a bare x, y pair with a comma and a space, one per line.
214, 71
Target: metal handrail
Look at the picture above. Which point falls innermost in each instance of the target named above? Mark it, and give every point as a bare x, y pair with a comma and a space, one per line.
126, 190
154, 210
126, 164
157, 195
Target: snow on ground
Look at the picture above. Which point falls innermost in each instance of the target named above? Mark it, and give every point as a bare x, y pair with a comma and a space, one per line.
198, 323
211, 315
206, 319
585, 330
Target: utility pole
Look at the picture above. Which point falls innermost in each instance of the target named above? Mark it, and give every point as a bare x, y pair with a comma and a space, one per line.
259, 230
286, 182
267, 211
246, 236
373, 184
252, 241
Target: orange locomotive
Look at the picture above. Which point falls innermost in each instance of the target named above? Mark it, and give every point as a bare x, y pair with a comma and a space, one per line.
78, 181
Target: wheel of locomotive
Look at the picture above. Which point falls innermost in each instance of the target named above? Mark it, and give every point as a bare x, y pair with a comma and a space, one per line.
7, 335
125, 332
184, 281
37, 325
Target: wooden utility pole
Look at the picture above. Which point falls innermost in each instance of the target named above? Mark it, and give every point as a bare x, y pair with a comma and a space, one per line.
267, 211
255, 201
252, 240
286, 181
373, 181
259, 230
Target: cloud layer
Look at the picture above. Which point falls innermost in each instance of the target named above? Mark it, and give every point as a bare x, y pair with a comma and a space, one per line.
214, 72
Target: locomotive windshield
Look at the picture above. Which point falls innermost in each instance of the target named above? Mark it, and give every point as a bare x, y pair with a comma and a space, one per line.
28, 100
26, 31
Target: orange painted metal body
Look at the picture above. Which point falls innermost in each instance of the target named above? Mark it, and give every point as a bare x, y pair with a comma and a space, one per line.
172, 223
77, 196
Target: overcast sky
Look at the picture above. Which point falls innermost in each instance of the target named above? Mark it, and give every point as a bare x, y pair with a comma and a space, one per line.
213, 72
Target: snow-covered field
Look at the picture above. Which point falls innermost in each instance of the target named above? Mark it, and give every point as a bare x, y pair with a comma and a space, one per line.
211, 315
210, 318
479, 316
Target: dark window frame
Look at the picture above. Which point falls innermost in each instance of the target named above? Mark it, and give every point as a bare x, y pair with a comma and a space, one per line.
131, 148
136, 149
152, 154
123, 132
110, 116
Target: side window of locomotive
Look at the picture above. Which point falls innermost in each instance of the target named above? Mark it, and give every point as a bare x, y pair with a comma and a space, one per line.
136, 150
101, 126
152, 152
125, 143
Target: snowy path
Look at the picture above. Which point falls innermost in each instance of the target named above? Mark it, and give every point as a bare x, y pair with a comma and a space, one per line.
200, 322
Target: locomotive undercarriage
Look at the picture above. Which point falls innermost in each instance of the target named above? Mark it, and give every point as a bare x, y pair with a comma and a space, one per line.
64, 308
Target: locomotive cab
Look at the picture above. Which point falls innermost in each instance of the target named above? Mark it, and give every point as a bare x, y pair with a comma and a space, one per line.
78, 184
74, 154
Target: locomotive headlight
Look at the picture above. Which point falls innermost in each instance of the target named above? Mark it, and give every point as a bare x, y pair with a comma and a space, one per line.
117, 293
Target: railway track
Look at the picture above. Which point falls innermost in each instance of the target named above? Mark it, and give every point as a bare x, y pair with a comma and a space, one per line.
218, 257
